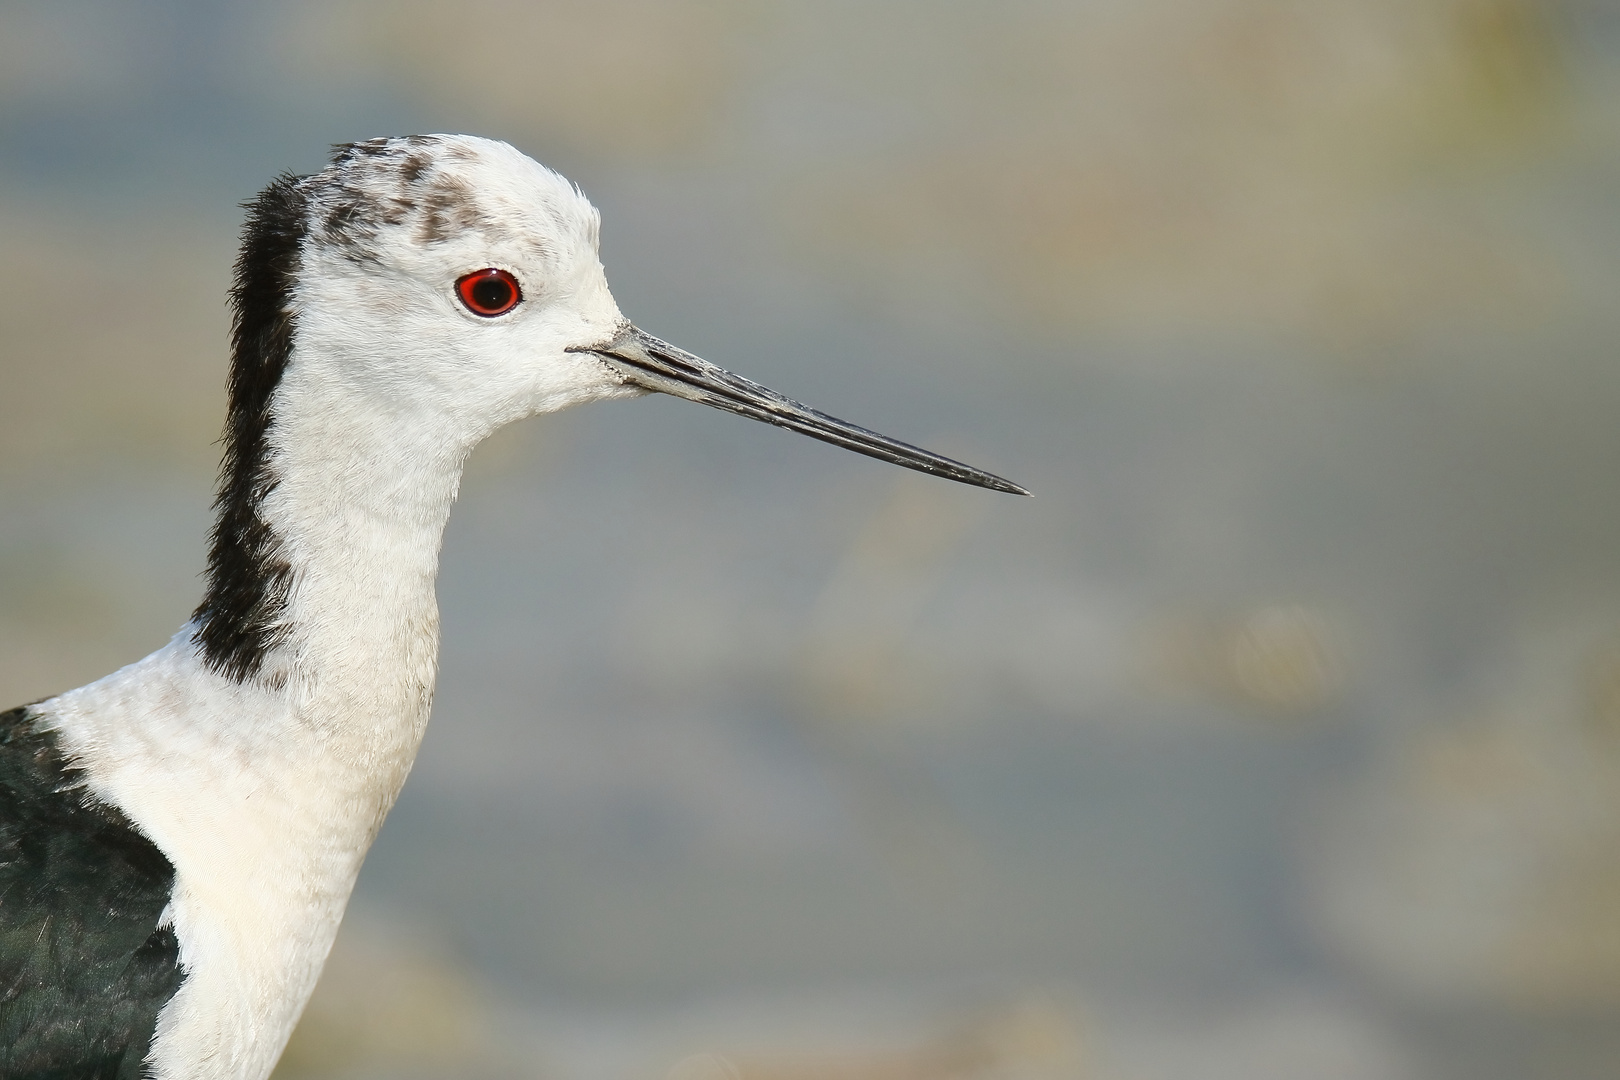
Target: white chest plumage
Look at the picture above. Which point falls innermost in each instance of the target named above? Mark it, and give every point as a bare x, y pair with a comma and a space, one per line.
265, 792
265, 800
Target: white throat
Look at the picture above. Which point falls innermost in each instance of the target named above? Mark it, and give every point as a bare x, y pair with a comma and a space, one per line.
358, 511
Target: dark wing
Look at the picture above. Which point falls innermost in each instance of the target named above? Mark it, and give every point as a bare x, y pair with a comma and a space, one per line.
84, 969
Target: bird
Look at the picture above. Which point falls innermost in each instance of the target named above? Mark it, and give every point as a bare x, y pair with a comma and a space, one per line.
179, 839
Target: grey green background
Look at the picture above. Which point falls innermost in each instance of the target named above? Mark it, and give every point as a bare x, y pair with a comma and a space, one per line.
1279, 736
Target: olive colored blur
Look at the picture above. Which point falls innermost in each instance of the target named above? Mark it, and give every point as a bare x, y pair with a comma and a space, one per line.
1279, 736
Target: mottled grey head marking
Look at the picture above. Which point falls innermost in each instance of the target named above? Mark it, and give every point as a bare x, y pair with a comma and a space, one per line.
408, 183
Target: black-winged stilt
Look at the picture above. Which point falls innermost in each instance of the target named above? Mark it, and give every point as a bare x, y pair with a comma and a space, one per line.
178, 840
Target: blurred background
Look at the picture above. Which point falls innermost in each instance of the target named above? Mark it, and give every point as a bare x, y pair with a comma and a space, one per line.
1278, 737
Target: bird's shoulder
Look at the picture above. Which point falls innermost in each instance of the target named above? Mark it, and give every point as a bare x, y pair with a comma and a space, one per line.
84, 966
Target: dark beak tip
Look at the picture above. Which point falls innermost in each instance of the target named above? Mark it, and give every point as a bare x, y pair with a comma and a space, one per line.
1006, 487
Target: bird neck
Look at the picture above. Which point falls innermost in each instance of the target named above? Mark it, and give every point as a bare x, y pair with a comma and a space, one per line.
337, 562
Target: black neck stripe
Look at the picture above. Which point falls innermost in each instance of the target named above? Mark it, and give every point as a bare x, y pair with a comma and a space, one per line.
241, 615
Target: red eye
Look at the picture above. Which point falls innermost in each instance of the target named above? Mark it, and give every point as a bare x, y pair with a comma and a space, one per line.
489, 292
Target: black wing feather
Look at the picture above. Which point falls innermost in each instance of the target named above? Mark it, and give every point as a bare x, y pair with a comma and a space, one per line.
84, 967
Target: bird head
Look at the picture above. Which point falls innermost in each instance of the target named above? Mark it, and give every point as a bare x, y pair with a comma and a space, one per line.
451, 280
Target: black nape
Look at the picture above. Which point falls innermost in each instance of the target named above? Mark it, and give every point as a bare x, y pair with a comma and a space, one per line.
240, 618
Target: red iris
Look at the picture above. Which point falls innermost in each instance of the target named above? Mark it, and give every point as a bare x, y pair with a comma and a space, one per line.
489, 292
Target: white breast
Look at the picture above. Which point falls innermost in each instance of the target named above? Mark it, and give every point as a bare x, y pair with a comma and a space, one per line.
265, 808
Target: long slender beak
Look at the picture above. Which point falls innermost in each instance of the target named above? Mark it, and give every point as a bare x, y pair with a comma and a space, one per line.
657, 365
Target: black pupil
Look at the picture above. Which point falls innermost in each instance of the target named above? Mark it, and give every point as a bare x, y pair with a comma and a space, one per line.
491, 293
